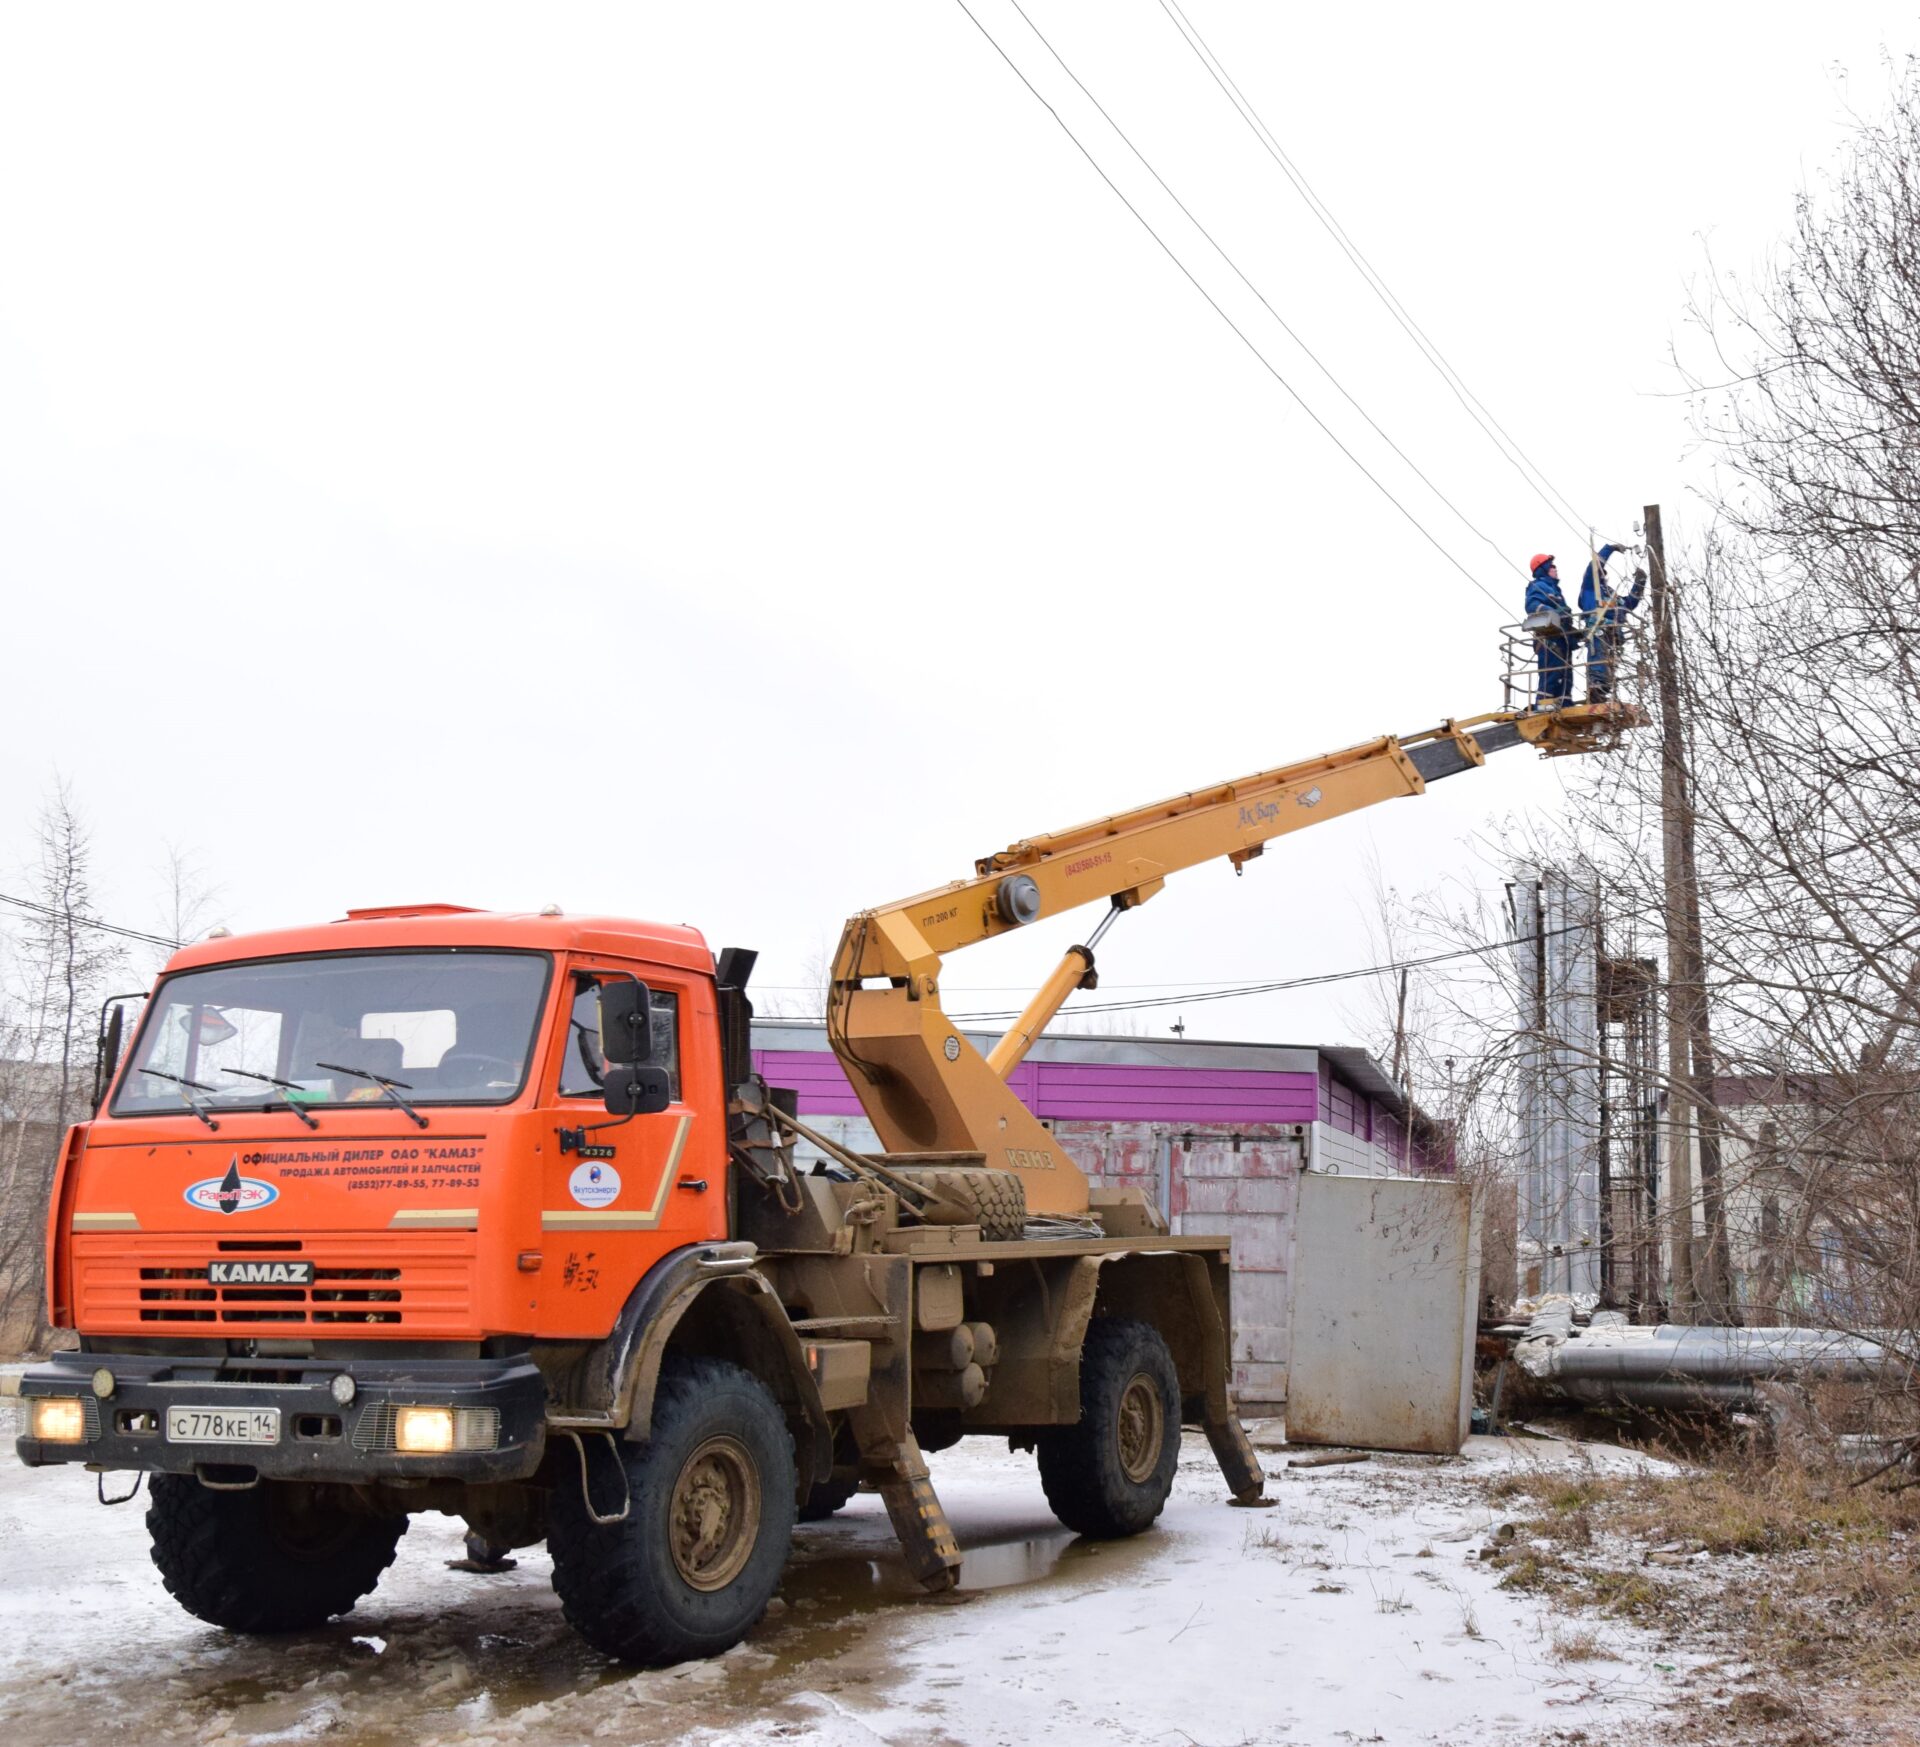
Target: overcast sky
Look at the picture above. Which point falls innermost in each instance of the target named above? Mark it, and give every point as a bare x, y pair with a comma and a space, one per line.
737, 464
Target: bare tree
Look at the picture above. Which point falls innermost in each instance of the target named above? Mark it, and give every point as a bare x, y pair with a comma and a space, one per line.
60, 968
189, 900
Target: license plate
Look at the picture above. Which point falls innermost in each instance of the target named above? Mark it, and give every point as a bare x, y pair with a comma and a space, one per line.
223, 1425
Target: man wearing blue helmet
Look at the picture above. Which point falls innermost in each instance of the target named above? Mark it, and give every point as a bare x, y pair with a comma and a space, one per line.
1606, 620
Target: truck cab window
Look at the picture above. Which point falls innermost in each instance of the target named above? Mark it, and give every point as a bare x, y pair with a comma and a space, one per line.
583, 1068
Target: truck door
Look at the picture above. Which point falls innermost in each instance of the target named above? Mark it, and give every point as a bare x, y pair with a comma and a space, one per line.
616, 1198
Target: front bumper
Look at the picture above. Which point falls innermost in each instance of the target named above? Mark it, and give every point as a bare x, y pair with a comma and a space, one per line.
320, 1439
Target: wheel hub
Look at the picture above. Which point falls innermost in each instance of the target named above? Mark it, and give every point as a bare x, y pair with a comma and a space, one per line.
1141, 1428
715, 1514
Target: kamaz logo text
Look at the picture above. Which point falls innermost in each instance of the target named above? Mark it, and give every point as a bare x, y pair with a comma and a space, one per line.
260, 1273
1030, 1159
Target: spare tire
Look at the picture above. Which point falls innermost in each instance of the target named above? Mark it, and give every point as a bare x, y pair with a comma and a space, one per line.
996, 1201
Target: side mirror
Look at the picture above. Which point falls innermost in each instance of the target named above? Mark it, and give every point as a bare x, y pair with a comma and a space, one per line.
107, 1056
626, 1025
638, 1090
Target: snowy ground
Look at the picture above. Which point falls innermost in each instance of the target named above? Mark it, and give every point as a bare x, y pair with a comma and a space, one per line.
1355, 1610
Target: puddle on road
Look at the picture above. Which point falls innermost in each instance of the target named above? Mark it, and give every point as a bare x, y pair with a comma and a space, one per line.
868, 1577
394, 1676
833, 1592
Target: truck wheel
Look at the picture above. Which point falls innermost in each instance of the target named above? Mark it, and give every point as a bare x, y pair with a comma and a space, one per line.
827, 1497
277, 1558
1109, 1474
996, 1201
710, 1514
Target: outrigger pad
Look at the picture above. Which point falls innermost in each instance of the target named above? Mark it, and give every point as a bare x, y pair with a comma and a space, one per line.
1245, 1478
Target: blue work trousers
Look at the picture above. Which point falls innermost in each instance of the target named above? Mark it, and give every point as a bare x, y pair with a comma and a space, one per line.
1603, 649
1555, 655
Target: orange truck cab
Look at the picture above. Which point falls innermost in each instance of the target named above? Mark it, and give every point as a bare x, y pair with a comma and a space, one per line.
350, 1178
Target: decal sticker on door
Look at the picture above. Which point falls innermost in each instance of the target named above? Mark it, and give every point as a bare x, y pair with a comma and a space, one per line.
594, 1185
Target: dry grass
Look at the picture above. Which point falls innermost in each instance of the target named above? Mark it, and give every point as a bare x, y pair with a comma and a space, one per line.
1789, 1568
1582, 1645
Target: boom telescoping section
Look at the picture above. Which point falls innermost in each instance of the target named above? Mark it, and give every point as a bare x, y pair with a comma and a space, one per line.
925, 1087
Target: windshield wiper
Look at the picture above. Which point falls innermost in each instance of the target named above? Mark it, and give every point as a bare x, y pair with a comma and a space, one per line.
392, 1088
285, 1085
185, 1098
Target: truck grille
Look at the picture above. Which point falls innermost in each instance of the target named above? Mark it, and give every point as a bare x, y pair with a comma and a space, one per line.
336, 1295
419, 1282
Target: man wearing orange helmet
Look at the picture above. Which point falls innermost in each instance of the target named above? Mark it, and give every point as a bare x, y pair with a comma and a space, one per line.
1553, 633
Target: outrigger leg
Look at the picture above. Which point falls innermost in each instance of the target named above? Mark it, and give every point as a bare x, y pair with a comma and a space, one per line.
926, 1537
1228, 1440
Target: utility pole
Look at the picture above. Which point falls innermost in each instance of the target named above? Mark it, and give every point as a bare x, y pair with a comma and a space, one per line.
1690, 1063
1399, 1075
1606, 1004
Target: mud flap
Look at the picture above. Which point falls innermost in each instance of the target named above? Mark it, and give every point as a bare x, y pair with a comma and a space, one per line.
1245, 1478
926, 1537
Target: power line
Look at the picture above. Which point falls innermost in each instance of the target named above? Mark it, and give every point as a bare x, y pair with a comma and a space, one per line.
1377, 284
1239, 333
48, 913
1324, 977
1285, 326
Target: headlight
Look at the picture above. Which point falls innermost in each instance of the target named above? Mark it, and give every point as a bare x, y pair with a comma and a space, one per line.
433, 1431
58, 1419
423, 1431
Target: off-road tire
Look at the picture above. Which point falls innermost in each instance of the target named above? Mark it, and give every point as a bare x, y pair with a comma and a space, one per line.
720, 1453
275, 1558
826, 1497
1109, 1474
996, 1201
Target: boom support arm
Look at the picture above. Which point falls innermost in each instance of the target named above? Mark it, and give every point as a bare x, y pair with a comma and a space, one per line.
927, 1089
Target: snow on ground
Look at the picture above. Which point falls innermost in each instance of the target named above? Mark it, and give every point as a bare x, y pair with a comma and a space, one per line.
1356, 1610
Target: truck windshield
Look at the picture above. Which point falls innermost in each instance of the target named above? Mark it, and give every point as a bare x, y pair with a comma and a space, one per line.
451, 1027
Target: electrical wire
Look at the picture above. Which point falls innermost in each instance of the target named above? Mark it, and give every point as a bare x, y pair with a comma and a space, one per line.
1509, 449
1239, 333
1285, 326
1312, 982
48, 913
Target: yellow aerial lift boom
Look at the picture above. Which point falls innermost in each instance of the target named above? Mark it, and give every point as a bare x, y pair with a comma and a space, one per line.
927, 1090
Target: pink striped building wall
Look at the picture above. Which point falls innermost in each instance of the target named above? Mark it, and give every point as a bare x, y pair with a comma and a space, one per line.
1168, 1092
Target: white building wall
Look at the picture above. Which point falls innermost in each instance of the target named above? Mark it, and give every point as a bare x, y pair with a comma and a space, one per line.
1340, 1154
